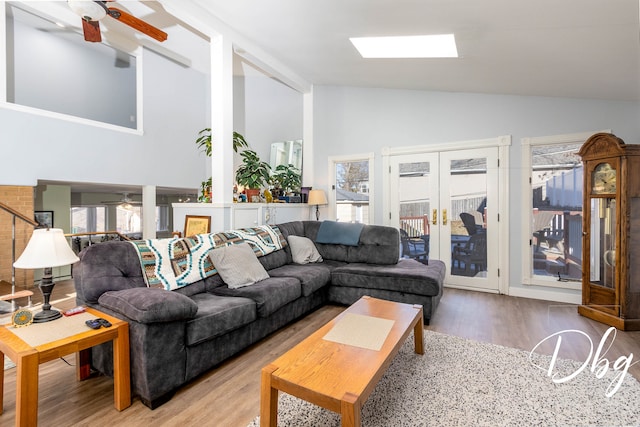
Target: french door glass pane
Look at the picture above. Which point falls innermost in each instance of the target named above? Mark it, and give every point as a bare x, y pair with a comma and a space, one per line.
415, 204
468, 195
352, 191
556, 220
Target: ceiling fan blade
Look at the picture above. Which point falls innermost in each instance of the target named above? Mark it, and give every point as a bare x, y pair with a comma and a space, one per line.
138, 24
91, 31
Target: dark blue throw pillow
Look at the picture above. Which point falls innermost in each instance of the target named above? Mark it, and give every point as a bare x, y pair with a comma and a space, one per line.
339, 233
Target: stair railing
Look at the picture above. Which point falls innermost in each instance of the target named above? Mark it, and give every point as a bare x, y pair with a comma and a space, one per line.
15, 214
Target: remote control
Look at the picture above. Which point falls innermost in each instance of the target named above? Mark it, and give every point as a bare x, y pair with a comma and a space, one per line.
104, 322
75, 310
97, 323
93, 323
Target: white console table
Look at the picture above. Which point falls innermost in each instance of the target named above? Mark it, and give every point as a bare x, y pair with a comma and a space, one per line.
227, 216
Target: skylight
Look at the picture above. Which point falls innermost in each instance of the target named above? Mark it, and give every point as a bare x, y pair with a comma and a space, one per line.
433, 46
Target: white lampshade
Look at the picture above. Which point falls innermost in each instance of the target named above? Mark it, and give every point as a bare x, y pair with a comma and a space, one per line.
317, 197
47, 248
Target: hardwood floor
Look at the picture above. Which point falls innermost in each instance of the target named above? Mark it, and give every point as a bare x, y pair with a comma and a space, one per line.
230, 394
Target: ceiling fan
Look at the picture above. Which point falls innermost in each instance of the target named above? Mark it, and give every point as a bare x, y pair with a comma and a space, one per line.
126, 202
92, 12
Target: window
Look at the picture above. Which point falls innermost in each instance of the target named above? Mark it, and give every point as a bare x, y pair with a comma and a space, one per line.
52, 68
88, 219
162, 218
129, 219
353, 189
553, 226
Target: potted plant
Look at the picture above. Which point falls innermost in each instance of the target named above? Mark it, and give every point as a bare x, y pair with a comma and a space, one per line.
253, 173
204, 142
287, 177
205, 191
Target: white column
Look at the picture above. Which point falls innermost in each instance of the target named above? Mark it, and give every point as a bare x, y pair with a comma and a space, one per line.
222, 119
307, 139
148, 211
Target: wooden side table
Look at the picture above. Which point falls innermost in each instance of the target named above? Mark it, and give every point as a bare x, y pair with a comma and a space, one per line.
28, 358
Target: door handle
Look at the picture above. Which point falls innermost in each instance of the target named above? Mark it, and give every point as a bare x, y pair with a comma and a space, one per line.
444, 217
434, 218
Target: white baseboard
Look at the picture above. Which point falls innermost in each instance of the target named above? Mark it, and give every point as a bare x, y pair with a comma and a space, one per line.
537, 292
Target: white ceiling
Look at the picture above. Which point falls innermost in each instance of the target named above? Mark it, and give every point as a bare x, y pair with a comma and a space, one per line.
567, 48
563, 48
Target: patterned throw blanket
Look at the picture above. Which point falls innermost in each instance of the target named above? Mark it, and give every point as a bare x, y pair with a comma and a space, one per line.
177, 262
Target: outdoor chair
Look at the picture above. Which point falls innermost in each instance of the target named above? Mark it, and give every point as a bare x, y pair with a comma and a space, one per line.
415, 247
473, 253
469, 222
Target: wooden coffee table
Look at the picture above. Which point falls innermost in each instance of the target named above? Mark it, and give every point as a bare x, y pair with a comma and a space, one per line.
339, 377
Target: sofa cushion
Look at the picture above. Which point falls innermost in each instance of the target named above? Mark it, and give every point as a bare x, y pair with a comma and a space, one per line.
269, 295
275, 259
218, 315
378, 244
238, 265
409, 276
303, 251
149, 305
311, 276
109, 266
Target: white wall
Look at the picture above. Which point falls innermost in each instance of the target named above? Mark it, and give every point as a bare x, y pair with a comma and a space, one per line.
175, 106
351, 120
266, 111
59, 71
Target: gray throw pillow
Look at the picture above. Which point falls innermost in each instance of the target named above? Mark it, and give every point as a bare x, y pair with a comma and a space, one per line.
238, 265
303, 250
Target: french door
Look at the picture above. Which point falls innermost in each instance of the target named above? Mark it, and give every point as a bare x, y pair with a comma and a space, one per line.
446, 199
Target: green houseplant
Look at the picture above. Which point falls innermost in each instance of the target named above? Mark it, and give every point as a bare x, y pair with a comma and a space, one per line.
287, 177
253, 173
204, 143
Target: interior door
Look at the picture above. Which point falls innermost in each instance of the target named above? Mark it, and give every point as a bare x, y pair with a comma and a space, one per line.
445, 199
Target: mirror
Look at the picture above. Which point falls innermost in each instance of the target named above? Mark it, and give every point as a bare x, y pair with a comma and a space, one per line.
286, 152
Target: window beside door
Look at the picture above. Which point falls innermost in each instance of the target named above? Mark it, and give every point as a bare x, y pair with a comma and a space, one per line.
352, 189
553, 223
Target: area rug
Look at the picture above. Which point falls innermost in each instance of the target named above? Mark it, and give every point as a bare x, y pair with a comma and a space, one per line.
459, 382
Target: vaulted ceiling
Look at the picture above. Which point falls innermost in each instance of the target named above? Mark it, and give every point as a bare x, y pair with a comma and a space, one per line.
568, 48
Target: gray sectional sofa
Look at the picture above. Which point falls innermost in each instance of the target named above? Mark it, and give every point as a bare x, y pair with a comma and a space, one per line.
176, 335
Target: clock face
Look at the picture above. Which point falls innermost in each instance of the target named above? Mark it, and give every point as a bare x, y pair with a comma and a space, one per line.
603, 179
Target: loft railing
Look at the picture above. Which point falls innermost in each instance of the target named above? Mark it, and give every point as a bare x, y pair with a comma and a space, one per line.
81, 240
13, 295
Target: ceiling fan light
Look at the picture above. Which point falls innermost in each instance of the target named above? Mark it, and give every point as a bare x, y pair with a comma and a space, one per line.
88, 10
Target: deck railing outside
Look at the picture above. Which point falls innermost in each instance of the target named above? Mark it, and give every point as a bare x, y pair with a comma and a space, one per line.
415, 226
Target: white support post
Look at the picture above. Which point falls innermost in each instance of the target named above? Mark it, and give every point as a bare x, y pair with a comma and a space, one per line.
149, 211
222, 119
307, 139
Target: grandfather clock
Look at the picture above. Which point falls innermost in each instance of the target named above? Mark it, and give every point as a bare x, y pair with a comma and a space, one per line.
611, 232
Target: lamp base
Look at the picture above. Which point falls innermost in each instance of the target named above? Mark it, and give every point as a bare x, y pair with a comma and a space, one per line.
46, 287
46, 316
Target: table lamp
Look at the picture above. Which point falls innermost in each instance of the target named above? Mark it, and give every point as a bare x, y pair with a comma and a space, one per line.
46, 249
317, 197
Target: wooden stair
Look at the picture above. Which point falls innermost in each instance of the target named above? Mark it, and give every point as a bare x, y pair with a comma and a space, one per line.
14, 295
